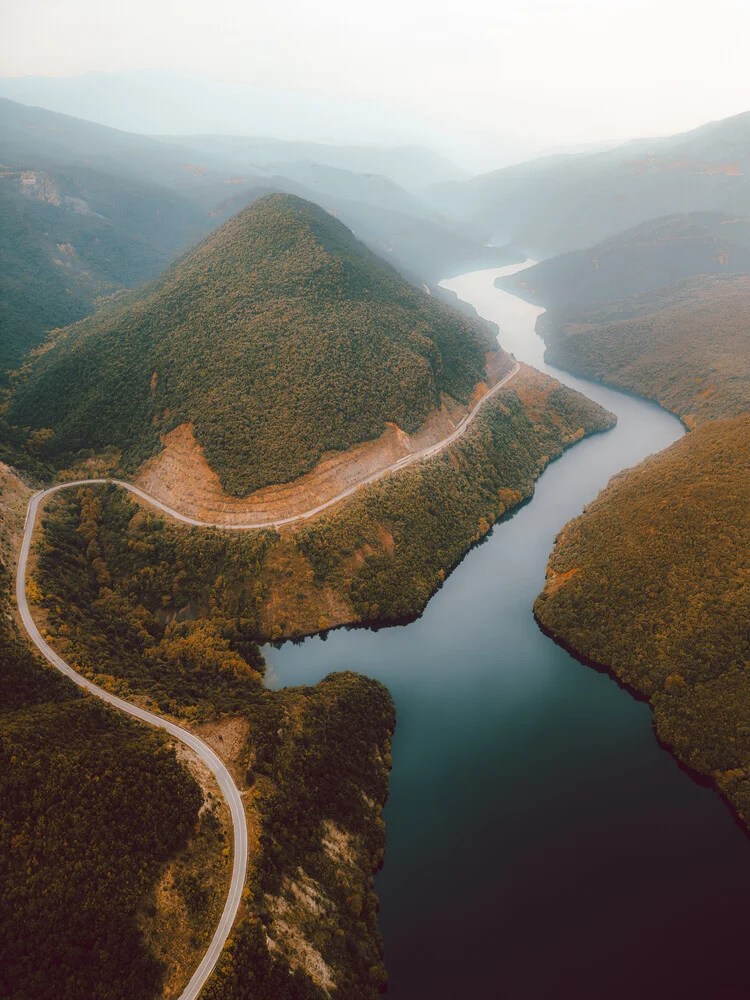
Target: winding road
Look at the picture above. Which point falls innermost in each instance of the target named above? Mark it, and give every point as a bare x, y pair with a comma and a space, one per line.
228, 788
401, 463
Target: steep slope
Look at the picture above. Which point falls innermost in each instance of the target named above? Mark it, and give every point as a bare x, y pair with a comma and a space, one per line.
421, 249
686, 345
563, 203
87, 210
278, 338
639, 260
653, 582
71, 235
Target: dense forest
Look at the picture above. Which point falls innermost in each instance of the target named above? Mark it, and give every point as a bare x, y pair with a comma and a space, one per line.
91, 806
176, 613
279, 337
179, 600
320, 757
154, 610
653, 581
86, 211
685, 345
393, 544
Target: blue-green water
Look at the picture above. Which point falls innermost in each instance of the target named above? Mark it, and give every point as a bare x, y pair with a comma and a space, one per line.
540, 844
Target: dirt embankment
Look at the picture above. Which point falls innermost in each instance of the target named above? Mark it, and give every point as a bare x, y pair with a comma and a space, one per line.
181, 477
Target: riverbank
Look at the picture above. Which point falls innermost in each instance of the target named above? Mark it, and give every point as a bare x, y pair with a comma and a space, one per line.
307, 818
571, 808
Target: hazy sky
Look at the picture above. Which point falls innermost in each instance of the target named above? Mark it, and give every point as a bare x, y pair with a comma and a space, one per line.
560, 71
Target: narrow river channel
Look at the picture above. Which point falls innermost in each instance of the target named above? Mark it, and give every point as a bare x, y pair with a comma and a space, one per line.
540, 844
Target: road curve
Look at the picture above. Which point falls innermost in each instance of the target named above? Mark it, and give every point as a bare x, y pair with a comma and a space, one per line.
228, 788
402, 463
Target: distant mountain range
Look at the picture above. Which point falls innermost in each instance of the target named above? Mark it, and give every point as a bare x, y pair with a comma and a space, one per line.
159, 102
562, 203
411, 167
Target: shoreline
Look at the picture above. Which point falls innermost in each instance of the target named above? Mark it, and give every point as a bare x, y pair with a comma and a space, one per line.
702, 780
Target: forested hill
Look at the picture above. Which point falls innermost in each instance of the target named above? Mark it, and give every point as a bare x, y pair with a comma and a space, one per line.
652, 581
639, 260
279, 337
687, 345
72, 235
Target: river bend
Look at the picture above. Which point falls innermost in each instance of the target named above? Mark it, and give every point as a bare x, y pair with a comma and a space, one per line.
540, 844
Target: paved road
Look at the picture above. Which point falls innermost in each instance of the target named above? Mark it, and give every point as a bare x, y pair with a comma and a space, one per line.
402, 463
229, 789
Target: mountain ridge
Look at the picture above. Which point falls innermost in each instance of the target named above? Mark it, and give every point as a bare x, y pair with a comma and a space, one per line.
561, 203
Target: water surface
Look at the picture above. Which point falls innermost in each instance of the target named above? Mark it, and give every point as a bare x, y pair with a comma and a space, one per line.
540, 844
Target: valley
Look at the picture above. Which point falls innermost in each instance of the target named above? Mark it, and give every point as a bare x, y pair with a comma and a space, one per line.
297, 441
516, 322
553, 769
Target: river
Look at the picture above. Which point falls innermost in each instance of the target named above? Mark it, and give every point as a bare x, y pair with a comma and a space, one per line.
540, 843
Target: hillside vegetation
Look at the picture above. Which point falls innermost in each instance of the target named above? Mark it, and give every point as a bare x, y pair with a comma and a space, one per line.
639, 260
187, 601
69, 237
686, 345
87, 210
91, 807
653, 581
171, 615
155, 610
279, 337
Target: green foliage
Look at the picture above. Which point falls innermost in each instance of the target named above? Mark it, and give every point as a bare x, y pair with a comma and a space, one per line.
91, 805
170, 612
70, 235
279, 337
685, 345
409, 531
117, 580
659, 590
326, 751
113, 579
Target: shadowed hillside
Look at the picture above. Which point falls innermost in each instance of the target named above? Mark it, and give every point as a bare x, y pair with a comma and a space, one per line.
640, 260
71, 236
